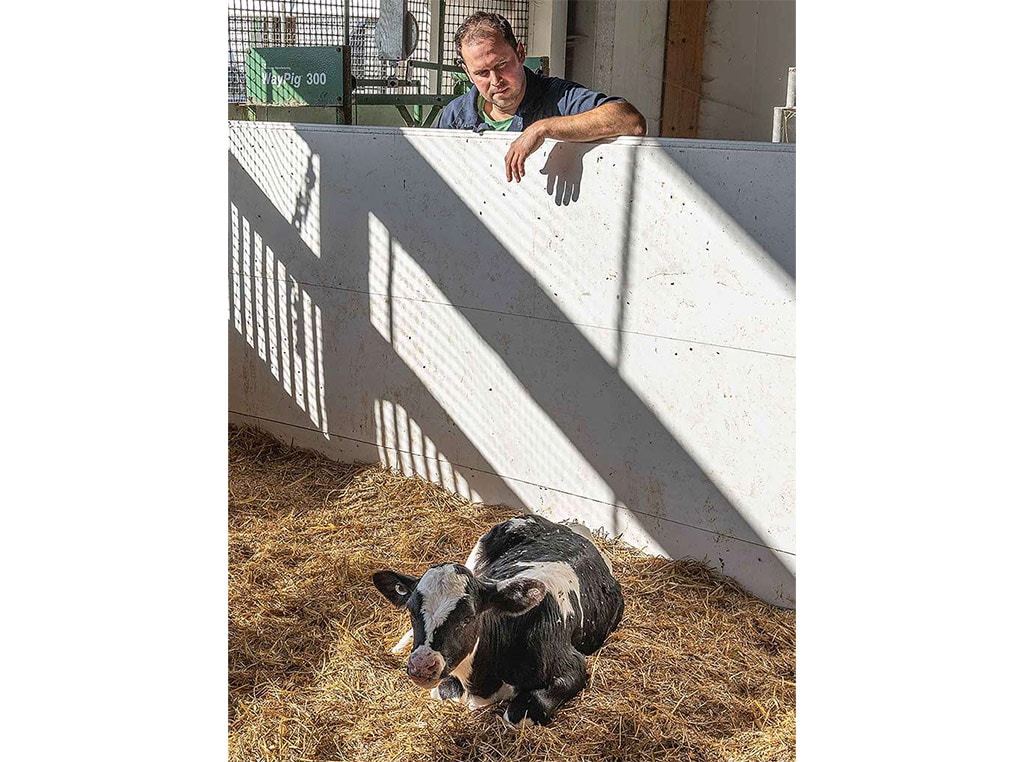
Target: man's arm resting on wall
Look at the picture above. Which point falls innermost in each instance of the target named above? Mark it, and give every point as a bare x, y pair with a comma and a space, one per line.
609, 120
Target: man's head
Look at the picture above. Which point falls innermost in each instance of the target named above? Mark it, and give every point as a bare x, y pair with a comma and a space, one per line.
493, 58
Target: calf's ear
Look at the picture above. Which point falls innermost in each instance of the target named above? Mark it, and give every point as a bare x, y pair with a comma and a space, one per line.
394, 586
515, 596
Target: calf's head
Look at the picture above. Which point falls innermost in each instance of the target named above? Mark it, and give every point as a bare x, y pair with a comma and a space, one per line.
446, 606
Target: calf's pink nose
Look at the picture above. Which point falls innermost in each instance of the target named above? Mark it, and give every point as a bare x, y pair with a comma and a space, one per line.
424, 665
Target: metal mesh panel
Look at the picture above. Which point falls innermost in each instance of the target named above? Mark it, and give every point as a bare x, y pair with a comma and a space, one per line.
516, 11
280, 23
285, 23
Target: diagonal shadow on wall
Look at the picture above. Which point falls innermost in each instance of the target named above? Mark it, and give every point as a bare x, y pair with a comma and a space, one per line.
747, 214
643, 464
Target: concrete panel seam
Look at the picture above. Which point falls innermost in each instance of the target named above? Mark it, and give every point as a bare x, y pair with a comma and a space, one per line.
612, 329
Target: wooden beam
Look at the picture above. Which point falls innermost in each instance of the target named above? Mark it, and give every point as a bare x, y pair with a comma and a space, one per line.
684, 55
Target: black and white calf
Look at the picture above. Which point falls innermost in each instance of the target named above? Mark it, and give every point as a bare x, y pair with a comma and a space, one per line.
514, 622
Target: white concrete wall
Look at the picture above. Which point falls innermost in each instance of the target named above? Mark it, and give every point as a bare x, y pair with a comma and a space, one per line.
749, 46
619, 49
611, 340
546, 35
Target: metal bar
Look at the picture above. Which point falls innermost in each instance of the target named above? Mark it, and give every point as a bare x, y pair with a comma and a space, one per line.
373, 99
347, 87
440, 47
348, 13
406, 115
389, 83
433, 66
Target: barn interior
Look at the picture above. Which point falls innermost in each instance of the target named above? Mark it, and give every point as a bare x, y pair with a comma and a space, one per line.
418, 349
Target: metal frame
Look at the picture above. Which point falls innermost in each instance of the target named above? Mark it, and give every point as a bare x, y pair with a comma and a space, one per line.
419, 94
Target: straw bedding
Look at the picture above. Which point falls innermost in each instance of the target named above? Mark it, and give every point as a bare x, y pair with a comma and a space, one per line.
698, 670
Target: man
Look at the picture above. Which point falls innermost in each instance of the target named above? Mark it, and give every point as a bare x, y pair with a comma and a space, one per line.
508, 96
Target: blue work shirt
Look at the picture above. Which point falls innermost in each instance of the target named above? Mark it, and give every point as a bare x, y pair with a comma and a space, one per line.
544, 97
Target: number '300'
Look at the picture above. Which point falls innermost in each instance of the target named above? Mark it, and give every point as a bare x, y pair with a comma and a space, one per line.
316, 78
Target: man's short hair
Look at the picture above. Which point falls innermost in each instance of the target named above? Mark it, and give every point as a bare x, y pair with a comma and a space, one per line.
483, 24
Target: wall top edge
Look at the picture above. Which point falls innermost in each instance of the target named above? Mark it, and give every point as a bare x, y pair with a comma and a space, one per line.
433, 132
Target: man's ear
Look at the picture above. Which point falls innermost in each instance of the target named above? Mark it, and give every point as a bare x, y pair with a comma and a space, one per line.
521, 53
394, 586
515, 596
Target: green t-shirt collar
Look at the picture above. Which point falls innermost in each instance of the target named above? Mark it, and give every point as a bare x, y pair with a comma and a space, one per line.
499, 126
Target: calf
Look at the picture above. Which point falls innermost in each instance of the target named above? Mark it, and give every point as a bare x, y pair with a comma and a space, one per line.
514, 622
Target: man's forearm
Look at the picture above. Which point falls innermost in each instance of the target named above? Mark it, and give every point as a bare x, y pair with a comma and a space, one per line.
609, 120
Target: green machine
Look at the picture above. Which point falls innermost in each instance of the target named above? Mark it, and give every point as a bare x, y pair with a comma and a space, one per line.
294, 77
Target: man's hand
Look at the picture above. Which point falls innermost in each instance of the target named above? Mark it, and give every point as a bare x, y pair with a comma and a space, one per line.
528, 142
609, 120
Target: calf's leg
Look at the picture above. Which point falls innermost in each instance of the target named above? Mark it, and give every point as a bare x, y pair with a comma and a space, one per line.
449, 689
403, 644
536, 707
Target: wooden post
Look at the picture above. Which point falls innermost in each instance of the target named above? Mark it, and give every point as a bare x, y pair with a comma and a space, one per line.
684, 55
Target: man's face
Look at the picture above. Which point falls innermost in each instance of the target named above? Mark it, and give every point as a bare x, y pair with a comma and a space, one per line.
497, 71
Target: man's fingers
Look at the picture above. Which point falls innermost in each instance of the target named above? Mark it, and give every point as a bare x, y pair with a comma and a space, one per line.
513, 166
516, 165
515, 159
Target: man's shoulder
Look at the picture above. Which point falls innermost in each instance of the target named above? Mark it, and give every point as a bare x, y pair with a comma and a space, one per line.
543, 83
569, 97
549, 84
460, 112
